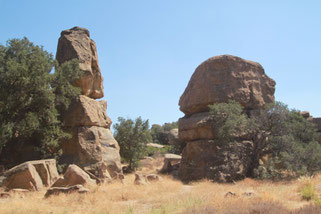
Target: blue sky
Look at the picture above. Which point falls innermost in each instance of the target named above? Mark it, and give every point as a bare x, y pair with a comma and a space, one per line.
149, 49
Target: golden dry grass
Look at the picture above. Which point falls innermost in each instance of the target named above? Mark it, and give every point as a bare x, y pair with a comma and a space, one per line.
166, 196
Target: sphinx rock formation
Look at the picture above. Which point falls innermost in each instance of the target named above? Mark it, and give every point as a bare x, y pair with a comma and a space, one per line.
92, 145
218, 80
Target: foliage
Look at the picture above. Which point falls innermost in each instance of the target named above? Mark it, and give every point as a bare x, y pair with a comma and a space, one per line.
151, 151
28, 113
307, 192
132, 137
282, 134
160, 132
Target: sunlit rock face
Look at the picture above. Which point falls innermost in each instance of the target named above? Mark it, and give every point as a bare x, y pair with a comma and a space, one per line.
92, 145
75, 43
218, 80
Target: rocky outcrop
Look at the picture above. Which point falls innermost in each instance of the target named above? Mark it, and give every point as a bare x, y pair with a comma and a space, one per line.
218, 80
75, 43
171, 163
31, 175
92, 145
226, 77
74, 175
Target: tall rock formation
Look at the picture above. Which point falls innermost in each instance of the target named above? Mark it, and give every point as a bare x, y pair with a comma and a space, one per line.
92, 145
75, 43
217, 80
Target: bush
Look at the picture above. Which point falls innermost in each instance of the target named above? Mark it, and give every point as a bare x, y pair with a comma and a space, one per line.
132, 137
283, 134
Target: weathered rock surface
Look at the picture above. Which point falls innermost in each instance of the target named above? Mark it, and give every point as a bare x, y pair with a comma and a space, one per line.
75, 43
24, 176
74, 175
223, 78
93, 147
87, 112
171, 163
218, 80
203, 159
195, 127
140, 179
153, 177
66, 190
31, 175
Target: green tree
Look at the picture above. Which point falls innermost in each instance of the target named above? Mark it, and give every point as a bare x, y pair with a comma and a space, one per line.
29, 123
160, 132
132, 137
284, 135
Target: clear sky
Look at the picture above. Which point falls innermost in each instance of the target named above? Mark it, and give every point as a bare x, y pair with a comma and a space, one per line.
149, 49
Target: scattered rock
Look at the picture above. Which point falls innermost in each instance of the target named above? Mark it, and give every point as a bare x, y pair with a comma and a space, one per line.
153, 177
140, 179
74, 175
23, 176
171, 163
75, 43
5, 195
66, 190
230, 194
248, 194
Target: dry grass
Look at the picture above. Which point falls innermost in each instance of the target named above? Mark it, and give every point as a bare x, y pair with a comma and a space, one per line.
172, 196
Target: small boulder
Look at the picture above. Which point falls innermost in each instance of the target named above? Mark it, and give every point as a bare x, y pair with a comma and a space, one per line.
140, 179
74, 175
66, 190
153, 177
5, 195
171, 162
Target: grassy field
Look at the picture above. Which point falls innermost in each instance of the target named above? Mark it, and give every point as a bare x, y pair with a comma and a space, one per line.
172, 196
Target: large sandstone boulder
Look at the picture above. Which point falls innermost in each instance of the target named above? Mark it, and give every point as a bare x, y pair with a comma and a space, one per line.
31, 175
223, 78
87, 112
204, 159
91, 145
218, 80
74, 175
75, 43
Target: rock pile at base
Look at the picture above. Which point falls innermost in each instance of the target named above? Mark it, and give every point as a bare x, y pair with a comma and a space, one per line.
218, 80
92, 145
31, 175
